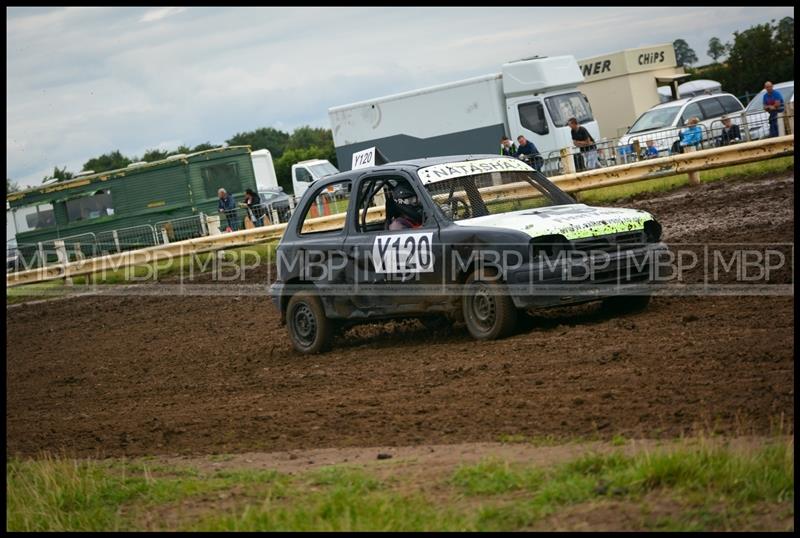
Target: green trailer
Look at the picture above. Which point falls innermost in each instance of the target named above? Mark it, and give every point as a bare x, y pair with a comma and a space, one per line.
133, 207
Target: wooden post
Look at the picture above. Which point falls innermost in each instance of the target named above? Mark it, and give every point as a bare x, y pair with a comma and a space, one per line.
567, 163
116, 239
63, 259
694, 177
275, 217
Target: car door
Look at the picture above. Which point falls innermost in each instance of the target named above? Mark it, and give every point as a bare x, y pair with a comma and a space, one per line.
390, 271
316, 250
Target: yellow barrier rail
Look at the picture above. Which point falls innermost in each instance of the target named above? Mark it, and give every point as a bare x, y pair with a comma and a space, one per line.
627, 173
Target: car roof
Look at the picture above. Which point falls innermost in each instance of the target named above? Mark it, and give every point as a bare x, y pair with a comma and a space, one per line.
685, 100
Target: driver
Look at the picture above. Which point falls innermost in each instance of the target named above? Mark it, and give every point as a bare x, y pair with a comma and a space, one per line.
407, 209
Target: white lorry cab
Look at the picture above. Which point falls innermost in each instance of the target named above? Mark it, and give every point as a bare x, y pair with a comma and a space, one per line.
305, 173
533, 97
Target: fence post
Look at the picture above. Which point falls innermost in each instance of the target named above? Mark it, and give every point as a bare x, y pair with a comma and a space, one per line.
291, 203
745, 126
694, 177
42, 259
63, 259
204, 224
782, 121
115, 235
566, 161
164, 235
275, 218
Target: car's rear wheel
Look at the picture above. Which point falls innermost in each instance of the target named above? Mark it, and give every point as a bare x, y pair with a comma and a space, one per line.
488, 310
309, 328
625, 304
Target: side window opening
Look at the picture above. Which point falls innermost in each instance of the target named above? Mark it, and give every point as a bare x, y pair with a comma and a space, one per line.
378, 210
531, 116
327, 201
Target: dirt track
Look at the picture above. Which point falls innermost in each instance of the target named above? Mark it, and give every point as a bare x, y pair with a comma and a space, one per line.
197, 375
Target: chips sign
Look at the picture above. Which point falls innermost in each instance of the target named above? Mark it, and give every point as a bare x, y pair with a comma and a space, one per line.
442, 172
364, 158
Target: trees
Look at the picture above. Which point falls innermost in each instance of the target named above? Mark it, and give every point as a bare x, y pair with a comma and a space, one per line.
108, 161
59, 174
760, 53
684, 54
716, 49
11, 186
283, 165
264, 138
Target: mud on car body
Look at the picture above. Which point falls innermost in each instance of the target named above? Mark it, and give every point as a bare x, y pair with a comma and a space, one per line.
493, 238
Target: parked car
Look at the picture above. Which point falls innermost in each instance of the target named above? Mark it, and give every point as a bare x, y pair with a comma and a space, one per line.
757, 119
663, 122
276, 199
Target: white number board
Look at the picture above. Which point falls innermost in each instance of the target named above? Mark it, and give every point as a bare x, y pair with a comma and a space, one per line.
403, 253
364, 158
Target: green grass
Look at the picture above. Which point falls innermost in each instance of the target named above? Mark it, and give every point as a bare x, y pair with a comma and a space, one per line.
715, 488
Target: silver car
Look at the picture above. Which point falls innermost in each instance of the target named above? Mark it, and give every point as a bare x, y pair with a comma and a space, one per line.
757, 119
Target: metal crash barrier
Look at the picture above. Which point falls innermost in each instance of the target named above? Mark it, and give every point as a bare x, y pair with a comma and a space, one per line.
703, 159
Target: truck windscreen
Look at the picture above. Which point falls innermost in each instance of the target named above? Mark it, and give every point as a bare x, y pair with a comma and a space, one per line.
569, 105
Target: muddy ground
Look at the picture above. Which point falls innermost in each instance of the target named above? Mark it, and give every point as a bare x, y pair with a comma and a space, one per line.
139, 375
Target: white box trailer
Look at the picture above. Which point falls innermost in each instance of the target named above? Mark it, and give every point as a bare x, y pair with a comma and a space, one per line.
533, 97
264, 170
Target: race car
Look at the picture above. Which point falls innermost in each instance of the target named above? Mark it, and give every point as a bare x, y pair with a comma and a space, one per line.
478, 239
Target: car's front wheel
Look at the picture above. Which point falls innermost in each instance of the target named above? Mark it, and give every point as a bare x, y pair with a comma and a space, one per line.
309, 328
488, 310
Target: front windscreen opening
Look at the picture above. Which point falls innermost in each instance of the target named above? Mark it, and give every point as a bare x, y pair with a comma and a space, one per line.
491, 193
655, 119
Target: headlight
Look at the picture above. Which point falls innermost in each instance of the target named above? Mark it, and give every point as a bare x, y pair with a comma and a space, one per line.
652, 231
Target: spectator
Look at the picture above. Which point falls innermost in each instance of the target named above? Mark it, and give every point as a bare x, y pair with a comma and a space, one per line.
652, 151
773, 104
507, 147
587, 159
730, 132
692, 135
227, 205
254, 208
529, 150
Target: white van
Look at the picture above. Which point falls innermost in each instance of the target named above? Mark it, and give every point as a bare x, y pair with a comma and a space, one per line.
307, 172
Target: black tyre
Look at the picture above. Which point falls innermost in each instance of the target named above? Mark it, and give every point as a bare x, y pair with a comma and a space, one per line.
309, 329
489, 312
436, 322
625, 304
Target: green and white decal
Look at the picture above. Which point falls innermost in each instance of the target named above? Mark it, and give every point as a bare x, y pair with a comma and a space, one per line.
573, 221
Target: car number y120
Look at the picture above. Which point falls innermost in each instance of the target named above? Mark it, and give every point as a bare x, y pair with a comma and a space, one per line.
403, 253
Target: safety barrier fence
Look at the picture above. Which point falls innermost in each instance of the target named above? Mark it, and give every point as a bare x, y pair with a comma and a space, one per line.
689, 162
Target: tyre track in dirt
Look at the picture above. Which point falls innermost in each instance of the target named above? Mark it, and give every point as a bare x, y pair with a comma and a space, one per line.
139, 375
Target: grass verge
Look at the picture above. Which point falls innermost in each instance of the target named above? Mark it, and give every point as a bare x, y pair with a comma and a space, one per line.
691, 487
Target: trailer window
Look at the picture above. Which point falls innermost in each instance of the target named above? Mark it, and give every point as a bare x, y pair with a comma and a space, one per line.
531, 116
34, 217
569, 105
221, 176
90, 207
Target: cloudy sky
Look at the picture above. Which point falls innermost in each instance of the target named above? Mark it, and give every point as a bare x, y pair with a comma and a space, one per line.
85, 81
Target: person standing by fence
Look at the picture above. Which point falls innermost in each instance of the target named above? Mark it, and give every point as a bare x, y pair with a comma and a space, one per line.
691, 136
587, 159
254, 208
507, 147
773, 105
227, 205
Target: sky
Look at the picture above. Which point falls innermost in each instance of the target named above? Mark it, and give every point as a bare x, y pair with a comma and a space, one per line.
86, 81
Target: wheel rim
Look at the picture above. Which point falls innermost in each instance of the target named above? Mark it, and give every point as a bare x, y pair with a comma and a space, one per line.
304, 324
483, 309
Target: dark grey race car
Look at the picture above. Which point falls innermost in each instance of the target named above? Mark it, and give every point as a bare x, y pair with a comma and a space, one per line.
476, 239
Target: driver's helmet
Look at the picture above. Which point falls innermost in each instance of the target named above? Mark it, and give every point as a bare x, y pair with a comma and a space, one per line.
407, 203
